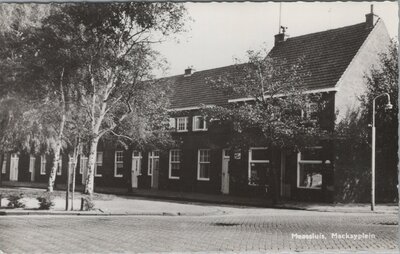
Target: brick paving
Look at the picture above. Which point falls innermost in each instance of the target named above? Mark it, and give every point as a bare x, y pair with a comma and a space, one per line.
261, 230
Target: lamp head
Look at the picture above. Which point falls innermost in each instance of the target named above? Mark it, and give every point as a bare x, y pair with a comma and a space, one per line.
388, 106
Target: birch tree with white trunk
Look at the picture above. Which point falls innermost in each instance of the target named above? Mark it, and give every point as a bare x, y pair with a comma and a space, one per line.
115, 58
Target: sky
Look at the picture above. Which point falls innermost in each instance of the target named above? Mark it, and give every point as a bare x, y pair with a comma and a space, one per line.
221, 32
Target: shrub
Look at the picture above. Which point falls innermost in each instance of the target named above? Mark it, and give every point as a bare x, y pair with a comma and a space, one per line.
45, 201
87, 203
14, 201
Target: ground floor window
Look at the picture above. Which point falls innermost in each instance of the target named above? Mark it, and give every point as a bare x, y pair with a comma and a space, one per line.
258, 166
43, 164
154, 162
119, 163
99, 164
59, 166
174, 163
32, 161
4, 165
83, 163
203, 165
310, 168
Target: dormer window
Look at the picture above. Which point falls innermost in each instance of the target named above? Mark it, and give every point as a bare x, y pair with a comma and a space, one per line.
172, 124
311, 111
181, 124
199, 123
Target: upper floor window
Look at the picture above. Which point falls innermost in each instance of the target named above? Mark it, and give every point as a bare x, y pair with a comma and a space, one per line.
172, 123
309, 168
154, 162
199, 123
203, 165
174, 163
311, 111
43, 164
99, 163
119, 163
181, 124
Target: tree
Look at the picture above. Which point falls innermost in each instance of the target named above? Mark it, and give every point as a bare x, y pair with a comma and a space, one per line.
113, 45
383, 78
272, 116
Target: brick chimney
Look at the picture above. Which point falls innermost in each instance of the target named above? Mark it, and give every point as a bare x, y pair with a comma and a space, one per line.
370, 18
188, 72
281, 37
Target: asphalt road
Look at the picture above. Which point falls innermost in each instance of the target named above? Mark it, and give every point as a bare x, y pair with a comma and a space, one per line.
256, 230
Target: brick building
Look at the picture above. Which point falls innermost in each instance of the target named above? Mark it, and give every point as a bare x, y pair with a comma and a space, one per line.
337, 60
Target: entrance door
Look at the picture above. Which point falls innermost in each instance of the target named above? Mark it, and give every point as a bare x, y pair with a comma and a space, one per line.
225, 172
14, 167
136, 164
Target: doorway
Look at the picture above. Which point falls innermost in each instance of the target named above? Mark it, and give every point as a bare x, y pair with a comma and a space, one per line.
136, 165
14, 167
225, 171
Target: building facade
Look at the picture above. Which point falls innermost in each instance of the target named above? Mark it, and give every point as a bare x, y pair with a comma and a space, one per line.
203, 159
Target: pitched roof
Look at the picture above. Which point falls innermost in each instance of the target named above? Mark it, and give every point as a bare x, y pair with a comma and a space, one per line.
326, 56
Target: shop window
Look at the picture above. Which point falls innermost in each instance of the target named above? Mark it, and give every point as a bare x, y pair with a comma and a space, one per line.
310, 168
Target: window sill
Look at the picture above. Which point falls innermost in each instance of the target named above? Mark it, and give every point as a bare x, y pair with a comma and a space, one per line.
118, 176
203, 179
200, 130
309, 188
174, 177
182, 131
98, 175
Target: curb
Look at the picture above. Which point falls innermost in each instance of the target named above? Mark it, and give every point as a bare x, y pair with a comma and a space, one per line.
89, 213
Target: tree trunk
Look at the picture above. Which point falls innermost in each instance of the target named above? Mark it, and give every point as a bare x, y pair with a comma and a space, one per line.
89, 186
57, 151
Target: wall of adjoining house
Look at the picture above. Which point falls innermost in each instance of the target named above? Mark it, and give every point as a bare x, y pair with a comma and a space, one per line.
353, 84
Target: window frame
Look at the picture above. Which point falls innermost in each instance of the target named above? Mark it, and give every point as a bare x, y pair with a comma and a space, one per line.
300, 161
151, 156
43, 163
186, 124
97, 164
116, 162
250, 159
199, 164
194, 127
170, 176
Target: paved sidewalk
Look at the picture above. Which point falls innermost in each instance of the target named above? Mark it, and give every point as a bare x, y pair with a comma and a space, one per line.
200, 198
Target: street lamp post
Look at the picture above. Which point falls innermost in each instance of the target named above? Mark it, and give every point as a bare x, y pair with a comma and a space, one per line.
388, 106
